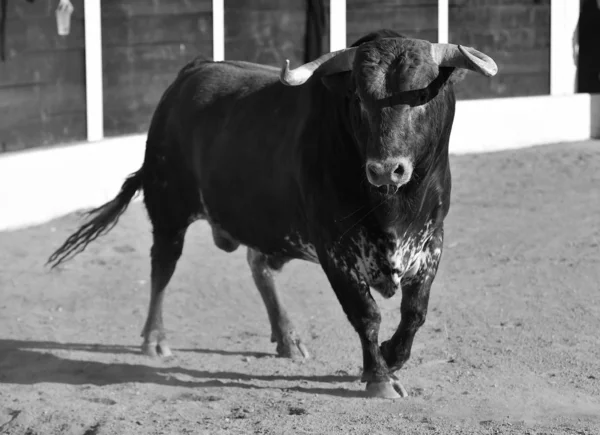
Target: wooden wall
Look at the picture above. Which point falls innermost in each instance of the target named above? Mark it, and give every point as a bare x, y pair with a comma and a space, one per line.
268, 31
516, 34
42, 80
145, 43
413, 18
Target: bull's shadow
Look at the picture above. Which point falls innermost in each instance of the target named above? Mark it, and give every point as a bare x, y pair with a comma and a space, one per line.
29, 363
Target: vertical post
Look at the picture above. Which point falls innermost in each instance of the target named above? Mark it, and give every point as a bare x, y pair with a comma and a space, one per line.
443, 21
564, 15
218, 23
93, 70
337, 25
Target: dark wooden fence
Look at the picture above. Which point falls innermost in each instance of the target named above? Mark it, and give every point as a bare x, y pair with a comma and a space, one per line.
268, 31
516, 33
42, 79
414, 18
145, 43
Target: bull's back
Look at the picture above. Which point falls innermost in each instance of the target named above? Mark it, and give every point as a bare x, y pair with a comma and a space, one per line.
235, 129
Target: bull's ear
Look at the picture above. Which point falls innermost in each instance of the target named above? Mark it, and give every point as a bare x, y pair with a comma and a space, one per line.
338, 84
457, 75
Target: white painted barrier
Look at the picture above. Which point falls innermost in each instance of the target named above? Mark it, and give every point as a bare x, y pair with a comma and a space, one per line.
506, 123
42, 184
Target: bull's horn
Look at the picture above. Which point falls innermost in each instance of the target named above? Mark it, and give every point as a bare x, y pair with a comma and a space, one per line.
458, 56
330, 63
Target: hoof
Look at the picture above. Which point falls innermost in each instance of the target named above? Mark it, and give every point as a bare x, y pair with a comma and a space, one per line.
154, 350
391, 389
294, 349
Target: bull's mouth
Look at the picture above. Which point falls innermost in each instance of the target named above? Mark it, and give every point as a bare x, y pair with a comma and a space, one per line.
388, 190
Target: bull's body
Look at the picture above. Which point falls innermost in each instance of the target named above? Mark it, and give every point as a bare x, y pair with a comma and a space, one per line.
279, 170
269, 168
245, 142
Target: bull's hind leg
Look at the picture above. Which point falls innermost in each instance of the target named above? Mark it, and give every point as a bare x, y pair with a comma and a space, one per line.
165, 253
263, 266
173, 203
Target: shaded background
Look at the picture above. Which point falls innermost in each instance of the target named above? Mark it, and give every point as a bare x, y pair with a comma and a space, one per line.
42, 79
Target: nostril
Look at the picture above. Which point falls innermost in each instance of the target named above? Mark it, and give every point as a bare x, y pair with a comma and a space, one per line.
373, 174
400, 170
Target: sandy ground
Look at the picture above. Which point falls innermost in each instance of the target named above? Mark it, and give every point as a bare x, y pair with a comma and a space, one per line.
511, 344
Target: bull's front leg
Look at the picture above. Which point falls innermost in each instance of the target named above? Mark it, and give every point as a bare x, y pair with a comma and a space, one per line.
413, 309
363, 313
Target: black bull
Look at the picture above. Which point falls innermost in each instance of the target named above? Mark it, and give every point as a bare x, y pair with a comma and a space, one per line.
346, 166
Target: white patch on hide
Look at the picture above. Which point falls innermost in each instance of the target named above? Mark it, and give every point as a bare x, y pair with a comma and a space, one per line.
364, 259
409, 253
307, 250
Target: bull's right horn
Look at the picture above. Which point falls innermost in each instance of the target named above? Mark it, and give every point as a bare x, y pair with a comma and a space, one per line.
330, 63
458, 56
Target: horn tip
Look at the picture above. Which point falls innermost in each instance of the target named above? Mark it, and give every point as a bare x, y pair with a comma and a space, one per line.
490, 69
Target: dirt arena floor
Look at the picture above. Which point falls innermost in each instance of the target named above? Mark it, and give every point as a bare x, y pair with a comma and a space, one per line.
511, 344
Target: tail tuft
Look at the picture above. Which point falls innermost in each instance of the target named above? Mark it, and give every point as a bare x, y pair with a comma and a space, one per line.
104, 219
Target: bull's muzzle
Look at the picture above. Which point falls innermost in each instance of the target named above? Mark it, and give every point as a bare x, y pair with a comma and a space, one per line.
393, 172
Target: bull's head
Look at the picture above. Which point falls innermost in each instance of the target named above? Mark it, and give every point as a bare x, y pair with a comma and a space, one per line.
396, 88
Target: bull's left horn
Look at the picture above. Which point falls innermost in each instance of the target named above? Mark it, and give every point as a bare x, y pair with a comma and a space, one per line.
458, 56
330, 63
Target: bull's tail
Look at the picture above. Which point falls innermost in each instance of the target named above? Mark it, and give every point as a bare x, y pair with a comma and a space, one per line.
104, 219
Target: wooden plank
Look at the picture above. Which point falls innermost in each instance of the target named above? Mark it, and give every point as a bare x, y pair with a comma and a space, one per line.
523, 62
118, 122
39, 34
66, 66
503, 85
265, 37
44, 130
133, 8
135, 90
149, 59
505, 16
21, 10
266, 5
487, 3
273, 54
501, 39
145, 44
403, 20
193, 28
42, 93
134, 81
19, 103
353, 4
516, 34
260, 25
326, 35
426, 34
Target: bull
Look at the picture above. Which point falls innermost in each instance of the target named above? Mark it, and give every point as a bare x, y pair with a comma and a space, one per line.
342, 162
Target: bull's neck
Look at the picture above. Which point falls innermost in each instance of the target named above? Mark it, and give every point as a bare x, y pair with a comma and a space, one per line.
336, 167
